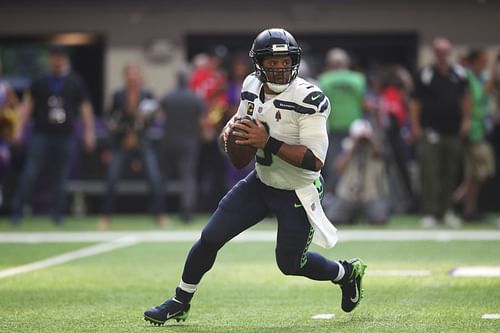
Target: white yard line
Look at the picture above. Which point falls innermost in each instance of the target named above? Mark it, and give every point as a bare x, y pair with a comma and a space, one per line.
70, 256
119, 239
323, 316
399, 272
247, 236
418, 235
476, 271
96, 236
491, 316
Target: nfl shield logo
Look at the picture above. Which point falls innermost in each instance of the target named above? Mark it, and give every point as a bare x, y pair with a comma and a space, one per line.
313, 206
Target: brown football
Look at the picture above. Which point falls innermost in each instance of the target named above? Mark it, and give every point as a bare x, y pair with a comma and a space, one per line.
240, 155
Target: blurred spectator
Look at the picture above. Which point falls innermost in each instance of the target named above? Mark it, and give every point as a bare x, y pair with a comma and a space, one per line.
440, 118
183, 110
393, 119
493, 86
209, 82
479, 159
132, 111
406, 79
8, 115
372, 98
240, 68
54, 102
346, 89
362, 188
305, 71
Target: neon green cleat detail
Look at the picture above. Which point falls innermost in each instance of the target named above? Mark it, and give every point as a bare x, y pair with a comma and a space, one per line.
170, 309
352, 291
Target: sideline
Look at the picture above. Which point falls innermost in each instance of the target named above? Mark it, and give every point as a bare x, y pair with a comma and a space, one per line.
247, 236
120, 239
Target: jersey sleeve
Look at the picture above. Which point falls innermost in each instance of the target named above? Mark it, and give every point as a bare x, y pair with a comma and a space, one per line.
316, 102
242, 109
247, 96
313, 130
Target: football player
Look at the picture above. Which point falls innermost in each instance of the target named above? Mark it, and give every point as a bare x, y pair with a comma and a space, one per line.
289, 129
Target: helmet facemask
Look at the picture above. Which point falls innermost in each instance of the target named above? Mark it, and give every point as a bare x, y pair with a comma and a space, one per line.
277, 78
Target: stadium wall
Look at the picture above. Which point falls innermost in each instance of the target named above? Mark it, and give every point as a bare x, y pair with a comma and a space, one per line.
130, 28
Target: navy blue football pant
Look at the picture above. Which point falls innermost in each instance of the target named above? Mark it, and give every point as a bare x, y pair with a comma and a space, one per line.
245, 205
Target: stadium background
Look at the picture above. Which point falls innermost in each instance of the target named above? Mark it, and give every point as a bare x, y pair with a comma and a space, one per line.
74, 278
162, 35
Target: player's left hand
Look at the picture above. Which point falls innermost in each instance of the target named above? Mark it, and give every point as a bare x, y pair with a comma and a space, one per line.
252, 133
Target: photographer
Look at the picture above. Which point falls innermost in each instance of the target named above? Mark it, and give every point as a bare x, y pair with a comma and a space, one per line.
362, 188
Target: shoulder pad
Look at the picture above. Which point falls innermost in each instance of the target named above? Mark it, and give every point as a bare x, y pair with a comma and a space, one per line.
306, 99
249, 88
312, 96
249, 81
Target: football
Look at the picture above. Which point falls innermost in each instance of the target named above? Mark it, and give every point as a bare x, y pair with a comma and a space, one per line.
240, 155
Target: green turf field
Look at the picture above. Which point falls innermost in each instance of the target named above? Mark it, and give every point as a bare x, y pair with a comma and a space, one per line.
245, 292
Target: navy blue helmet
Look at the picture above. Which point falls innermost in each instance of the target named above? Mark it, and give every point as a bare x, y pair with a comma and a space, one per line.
275, 42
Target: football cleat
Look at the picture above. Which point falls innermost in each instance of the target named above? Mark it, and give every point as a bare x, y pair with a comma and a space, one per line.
170, 309
352, 291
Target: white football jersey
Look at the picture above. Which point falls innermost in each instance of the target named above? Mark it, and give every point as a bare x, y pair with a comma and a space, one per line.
297, 116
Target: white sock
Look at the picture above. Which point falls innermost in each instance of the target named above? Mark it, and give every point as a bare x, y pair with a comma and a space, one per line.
341, 273
189, 288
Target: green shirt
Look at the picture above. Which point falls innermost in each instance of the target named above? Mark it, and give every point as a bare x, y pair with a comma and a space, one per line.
479, 99
345, 89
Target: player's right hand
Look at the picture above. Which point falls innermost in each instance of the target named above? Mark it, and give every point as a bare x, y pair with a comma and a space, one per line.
229, 127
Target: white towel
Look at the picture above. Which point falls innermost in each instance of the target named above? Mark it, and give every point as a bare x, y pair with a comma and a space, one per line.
325, 234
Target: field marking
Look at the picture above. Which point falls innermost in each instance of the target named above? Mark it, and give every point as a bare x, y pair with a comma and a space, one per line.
476, 271
96, 236
70, 256
247, 236
399, 272
323, 316
491, 316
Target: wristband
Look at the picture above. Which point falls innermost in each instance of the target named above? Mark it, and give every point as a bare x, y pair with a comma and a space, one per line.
309, 161
273, 145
